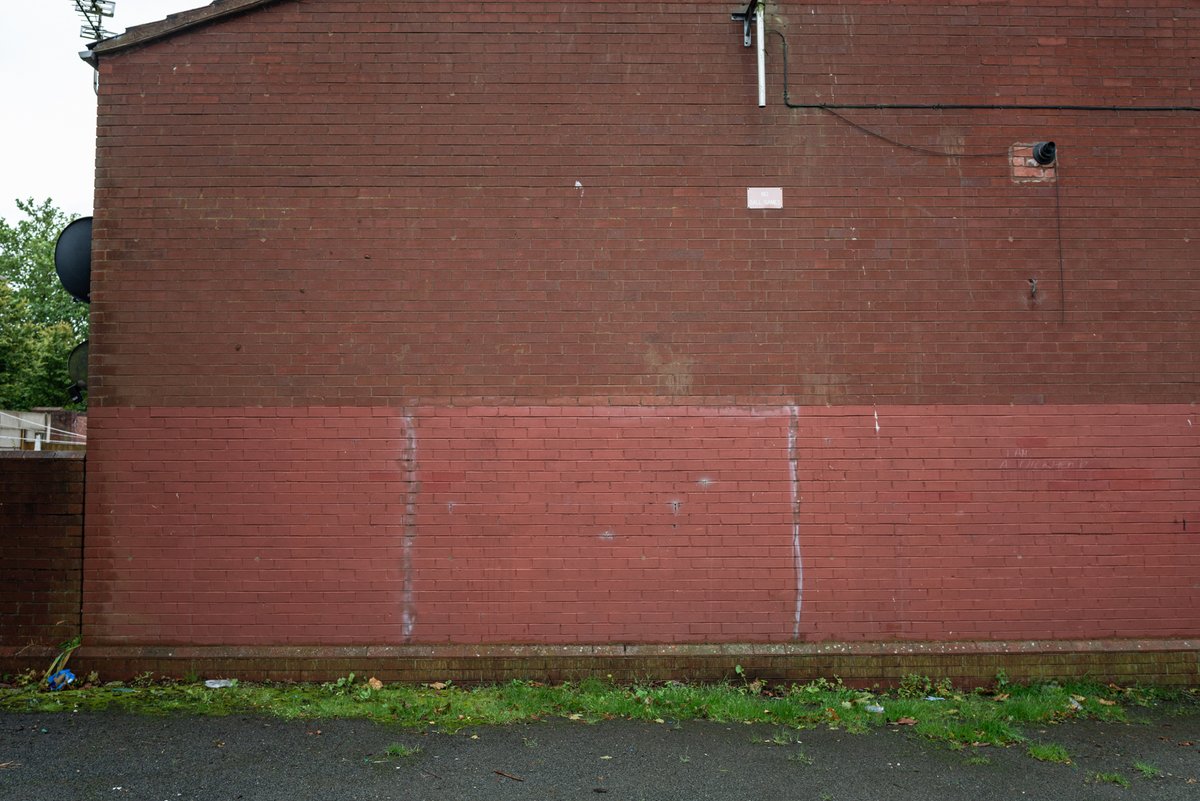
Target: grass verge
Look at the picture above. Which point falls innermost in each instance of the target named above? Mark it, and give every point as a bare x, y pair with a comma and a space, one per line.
994, 716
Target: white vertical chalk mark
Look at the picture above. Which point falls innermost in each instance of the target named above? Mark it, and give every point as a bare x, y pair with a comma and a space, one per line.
876, 421
411, 478
793, 425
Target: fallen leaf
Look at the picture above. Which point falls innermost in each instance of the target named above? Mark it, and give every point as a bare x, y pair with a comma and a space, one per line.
1080, 698
576, 716
659, 720
1001, 697
374, 683
906, 722
438, 685
1186, 743
1105, 702
4, 765
980, 745
474, 736
606, 756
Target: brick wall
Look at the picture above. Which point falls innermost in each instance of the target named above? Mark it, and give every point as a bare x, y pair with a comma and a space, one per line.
375, 203
633, 524
41, 548
451, 325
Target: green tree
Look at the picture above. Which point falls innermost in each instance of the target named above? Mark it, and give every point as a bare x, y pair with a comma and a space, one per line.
39, 322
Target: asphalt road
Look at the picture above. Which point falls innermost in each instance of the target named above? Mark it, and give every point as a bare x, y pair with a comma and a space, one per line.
77, 757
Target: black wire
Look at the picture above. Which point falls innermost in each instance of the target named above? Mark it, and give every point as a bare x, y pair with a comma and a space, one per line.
1062, 282
833, 108
917, 148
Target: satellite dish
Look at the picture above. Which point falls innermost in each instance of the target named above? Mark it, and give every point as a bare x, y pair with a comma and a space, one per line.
77, 364
73, 259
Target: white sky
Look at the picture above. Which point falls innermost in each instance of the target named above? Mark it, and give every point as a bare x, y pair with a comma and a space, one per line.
48, 136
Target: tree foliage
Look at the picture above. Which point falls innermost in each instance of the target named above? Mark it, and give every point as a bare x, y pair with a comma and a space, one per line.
39, 322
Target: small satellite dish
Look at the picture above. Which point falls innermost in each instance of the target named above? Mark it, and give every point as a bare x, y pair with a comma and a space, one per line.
73, 259
77, 364
77, 370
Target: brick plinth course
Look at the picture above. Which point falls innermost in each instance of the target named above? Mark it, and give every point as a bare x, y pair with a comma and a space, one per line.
1160, 662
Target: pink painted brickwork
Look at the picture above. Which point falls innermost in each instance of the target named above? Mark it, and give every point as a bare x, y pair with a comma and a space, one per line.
245, 526
632, 524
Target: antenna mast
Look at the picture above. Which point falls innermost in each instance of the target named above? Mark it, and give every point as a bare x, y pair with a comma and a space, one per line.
93, 13
752, 20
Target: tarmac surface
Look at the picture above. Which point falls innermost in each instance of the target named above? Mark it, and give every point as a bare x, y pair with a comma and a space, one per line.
116, 757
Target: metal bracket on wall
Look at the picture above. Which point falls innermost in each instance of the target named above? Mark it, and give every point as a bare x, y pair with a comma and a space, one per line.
747, 18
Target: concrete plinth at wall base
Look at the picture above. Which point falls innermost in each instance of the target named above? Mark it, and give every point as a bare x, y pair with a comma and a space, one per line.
1160, 662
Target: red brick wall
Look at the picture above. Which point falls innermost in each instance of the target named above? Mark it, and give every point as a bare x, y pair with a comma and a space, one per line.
430, 325
634, 524
375, 203
41, 547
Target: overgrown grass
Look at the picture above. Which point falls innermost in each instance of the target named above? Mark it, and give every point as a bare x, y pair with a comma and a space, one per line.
959, 719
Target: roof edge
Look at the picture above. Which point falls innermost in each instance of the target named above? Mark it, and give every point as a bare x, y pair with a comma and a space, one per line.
172, 26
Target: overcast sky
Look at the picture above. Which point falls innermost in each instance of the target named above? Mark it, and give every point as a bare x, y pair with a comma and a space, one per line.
48, 138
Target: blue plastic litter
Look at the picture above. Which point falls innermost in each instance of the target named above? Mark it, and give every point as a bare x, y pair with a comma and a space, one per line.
60, 679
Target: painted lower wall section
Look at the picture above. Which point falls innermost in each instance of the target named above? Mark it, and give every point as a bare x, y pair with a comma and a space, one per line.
564, 525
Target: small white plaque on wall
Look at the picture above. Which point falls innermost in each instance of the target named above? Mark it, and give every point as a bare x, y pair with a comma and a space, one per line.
761, 197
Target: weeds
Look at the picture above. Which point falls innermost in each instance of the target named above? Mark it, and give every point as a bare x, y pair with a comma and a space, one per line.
27, 678
914, 686
393, 752
402, 751
1049, 752
784, 737
142, 680
800, 757
1147, 770
1111, 778
961, 719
